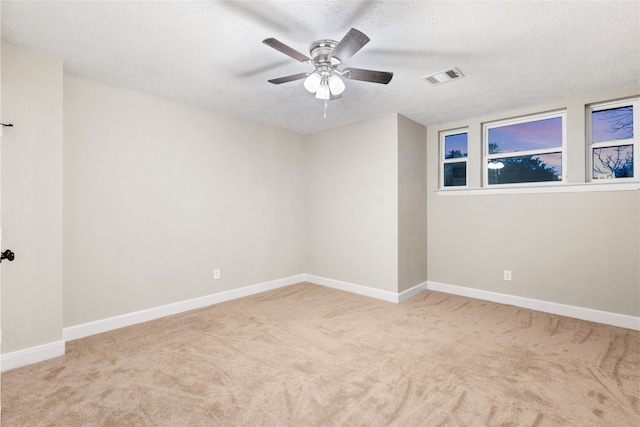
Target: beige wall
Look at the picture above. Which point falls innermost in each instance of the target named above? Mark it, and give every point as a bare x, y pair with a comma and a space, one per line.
352, 203
580, 249
412, 204
32, 94
158, 194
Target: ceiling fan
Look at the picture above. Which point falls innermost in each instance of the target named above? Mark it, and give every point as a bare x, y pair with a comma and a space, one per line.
326, 56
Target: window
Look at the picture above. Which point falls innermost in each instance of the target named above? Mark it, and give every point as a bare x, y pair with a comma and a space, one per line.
613, 139
453, 149
529, 149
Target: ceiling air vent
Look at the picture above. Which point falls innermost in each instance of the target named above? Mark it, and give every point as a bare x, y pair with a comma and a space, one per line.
443, 76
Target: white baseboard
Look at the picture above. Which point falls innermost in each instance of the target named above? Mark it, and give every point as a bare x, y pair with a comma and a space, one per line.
31, 355
48, 351
55, 349
608, 318
353, 288
412, 292
104, 325
41, 353
367, 291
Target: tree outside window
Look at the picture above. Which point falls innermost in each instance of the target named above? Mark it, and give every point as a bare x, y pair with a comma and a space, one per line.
613, 139
453, 163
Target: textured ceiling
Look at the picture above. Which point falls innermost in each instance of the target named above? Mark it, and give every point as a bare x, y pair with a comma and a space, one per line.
210, 54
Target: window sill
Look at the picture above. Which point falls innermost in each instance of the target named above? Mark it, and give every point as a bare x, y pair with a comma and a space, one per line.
562, 188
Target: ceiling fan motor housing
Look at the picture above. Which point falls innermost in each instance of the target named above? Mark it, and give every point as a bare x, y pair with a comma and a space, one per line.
321, 53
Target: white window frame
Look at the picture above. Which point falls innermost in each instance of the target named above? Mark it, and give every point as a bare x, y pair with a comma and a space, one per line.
630, 102
444, 161
486, 157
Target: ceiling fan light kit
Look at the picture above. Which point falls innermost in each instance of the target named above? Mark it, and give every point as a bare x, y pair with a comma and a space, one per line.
323, 91
312, 83
326, 55
336, 85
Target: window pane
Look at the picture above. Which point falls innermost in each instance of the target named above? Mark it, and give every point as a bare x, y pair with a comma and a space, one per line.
613, 162
455, 174
612, 124
539, 168
455, 146
535, 135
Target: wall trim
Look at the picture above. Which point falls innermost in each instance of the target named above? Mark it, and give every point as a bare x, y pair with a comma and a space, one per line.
48, 351
603, 185
605, 317
412, 292
104, 325
353, 288
368, 291
31, 355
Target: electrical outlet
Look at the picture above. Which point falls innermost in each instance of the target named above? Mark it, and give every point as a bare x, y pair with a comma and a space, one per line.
507, 275
216, 273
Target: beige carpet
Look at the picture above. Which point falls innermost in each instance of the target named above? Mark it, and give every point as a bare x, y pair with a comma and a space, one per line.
306, 355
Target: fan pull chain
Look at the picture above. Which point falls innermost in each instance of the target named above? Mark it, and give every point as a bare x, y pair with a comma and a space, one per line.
325, 108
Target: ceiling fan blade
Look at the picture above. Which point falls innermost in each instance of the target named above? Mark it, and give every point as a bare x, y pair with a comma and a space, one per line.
372, 76
289, 51
288, 78
352, 42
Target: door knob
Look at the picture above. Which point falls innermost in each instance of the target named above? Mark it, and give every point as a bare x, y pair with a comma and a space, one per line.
8, 255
